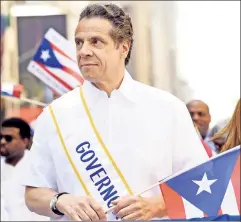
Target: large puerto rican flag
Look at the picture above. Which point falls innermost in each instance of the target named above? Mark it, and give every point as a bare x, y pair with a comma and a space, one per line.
55, 63
210, 189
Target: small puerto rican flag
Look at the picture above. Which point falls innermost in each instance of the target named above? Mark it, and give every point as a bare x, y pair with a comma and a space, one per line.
13, 90
55, 64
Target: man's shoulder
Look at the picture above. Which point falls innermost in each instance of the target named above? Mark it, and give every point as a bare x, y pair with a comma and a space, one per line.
61, 105
150, 94
67, 100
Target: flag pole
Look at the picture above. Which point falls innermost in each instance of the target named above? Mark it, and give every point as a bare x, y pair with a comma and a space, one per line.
25, 100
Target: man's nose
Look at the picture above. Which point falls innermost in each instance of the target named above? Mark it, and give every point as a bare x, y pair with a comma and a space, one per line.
85, 50
3, 141
195, 117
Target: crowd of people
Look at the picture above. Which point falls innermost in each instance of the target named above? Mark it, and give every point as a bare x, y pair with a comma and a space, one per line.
44, 177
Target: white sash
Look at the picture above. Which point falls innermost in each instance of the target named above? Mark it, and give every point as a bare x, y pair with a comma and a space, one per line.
90, 159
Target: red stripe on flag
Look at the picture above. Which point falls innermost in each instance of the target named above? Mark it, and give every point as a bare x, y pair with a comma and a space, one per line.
60, 51
56, 77
74, 74
219, 213
207, 148
236, 181
174, 204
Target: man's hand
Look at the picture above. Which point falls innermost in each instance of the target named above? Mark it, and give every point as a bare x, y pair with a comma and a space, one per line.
139, 208
80, 208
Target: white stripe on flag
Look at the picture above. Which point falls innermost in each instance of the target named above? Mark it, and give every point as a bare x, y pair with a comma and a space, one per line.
7, 88
229, 204
59, 41
66, 77
67, 62
34, 68
190, 210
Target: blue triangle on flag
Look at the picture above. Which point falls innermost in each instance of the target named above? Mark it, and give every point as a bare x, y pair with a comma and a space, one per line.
219, 169
46, 56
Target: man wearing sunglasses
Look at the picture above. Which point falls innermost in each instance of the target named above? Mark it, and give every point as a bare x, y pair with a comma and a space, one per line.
15, 136
15, 139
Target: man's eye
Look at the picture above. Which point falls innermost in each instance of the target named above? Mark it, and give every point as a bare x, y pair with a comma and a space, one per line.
96, 41
78, 42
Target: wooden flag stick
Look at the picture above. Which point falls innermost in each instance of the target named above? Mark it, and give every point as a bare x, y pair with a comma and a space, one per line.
25, 100
33, 102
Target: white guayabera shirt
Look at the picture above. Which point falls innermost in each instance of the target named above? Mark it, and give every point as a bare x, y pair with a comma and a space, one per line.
148, 133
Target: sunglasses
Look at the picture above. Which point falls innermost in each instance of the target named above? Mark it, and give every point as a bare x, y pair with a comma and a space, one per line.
8, 138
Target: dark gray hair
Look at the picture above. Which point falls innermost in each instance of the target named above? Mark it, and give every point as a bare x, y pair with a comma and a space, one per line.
117, 17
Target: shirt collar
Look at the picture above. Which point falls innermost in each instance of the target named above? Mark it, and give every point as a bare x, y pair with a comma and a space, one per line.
93, 94
126, 87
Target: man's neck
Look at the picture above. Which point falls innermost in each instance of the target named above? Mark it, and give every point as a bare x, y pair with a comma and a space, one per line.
110, 85
14, 161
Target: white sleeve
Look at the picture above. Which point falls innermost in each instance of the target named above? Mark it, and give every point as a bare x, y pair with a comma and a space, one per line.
40, 169
4, 212
187, 147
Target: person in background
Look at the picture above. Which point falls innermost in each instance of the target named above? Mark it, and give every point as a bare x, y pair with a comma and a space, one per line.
219, 142
231, 131
15, 140
15, 137
201, 118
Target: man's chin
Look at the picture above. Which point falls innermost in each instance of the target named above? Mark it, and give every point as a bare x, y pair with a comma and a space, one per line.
90, 78
5, 154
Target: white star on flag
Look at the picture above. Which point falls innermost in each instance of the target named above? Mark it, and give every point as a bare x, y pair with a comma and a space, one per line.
204, 184
45, 55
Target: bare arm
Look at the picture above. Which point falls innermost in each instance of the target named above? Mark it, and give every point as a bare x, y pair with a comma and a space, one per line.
38, 200
75, 208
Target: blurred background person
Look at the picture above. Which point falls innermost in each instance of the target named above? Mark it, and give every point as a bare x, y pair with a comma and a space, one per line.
231, 132
15, 140
201, 118
219, 142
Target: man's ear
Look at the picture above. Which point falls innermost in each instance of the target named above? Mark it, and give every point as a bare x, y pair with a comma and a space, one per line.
26, 142
210, 118
125, 47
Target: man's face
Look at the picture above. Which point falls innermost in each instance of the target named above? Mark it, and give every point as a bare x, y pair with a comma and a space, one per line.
98, 56
200, 116
12, 145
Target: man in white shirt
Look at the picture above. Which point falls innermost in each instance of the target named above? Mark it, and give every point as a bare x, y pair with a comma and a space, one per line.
101, 143
15, 136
